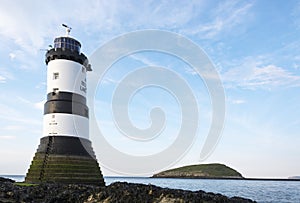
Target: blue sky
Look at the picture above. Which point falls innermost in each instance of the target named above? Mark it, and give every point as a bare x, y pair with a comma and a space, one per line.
254, 45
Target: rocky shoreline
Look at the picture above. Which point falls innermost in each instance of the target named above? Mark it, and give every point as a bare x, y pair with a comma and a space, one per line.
115, 192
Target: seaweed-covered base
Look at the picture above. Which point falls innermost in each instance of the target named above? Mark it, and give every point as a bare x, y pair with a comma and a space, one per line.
63, 159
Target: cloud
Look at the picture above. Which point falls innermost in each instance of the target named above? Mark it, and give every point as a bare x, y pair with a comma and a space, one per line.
152, 14
190, 71
12, 56
237, 101
23, 100
253, 73
2, 79
20, 25
41, 85
13, 127
39, 105
29, 25
146, 61
25, 59
12, 115
28, 28
295, 16
25, 29
227, 15
5, 75
108, 80
7, 137
20, 116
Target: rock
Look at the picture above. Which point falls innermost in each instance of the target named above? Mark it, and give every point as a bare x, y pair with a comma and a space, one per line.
116, 192
6, 180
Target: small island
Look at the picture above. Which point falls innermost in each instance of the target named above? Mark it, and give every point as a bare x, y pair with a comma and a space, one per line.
205, 171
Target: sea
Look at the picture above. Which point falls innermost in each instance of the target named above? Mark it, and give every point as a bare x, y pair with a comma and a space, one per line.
259, 190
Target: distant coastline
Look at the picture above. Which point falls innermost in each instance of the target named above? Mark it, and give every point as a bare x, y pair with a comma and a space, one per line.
273, 179
295, 177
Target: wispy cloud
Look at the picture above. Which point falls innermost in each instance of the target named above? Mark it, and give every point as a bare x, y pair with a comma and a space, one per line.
7, 137
152, 14
109, 80
2, 79
254, 73
41, 85
16, 116
190, 71
296, 16
12, 56
17, 112
39, 105
146, 61
5, 75
20, 25
13, 127
236, 101
227, 15
28, 31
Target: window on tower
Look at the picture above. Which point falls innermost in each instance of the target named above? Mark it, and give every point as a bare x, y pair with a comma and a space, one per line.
55, 76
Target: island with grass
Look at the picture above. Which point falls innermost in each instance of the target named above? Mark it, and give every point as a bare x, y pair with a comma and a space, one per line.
206, 171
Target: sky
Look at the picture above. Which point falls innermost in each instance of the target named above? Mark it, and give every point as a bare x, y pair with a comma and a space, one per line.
253, 45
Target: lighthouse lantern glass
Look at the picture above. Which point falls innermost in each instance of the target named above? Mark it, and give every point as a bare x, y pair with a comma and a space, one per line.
67, 43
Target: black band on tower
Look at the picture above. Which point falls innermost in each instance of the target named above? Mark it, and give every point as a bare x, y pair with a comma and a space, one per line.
61, 53
66, 102
69, 107
65, 145
66, 96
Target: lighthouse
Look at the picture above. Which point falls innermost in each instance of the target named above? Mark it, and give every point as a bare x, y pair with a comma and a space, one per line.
65, 153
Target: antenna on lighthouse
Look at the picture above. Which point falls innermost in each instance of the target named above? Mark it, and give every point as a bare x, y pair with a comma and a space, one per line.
68, 29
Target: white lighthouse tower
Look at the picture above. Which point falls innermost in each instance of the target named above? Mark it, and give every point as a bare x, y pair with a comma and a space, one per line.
65, 153
66, 90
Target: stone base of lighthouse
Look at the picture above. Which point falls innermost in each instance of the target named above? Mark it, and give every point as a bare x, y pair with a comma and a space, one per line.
64, 159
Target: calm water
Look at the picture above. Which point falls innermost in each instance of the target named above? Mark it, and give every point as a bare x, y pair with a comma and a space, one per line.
260, 191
